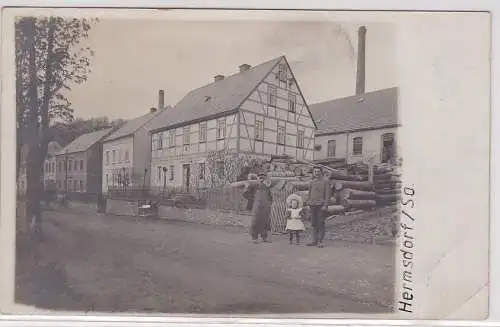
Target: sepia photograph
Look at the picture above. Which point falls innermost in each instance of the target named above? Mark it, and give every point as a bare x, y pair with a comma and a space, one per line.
200, 162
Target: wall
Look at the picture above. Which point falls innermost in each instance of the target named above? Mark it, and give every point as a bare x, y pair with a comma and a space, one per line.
194, 153
120, 146
73, 174
142, 156
130, 208
372, 144
94, 168
256, 107
50, 169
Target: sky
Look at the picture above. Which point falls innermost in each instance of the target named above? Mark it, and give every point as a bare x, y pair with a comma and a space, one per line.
134, 58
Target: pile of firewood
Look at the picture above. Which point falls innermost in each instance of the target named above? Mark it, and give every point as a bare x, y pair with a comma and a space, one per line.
358, 187
386, 182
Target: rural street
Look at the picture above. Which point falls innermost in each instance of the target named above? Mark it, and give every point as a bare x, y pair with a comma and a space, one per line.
123, 264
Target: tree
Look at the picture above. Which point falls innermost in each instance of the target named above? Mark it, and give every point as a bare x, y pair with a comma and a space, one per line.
49, 61
69, 131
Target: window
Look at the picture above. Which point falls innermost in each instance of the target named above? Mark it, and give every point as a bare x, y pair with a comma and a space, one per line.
259, 130
357, 146
126, 155
221, 128
220, 169
186, 135
271, 95
159, 173
75, 185
107, 157
59, 166
81, 164
388, 148
53, 167
202, 171
282, 72
81, 186
281, 135
160, 141
292, 102
203, 132
75, 165
120, 155
300, 139
171, 177
331, 148
171, 138
114, 156
70, 164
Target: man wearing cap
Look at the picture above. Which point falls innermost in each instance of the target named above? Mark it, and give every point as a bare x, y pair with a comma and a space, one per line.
318, 199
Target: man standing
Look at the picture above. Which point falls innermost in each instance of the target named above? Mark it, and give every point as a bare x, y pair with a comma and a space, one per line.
261, 211
318, 199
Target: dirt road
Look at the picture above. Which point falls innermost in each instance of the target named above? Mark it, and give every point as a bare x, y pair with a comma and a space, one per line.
103, 263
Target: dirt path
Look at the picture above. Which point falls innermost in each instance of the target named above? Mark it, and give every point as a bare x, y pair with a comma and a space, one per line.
117, 264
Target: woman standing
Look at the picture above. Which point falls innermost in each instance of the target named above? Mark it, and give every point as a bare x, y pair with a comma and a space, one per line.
261, 214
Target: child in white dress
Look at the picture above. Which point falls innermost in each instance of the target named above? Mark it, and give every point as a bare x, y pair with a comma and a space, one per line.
295, 213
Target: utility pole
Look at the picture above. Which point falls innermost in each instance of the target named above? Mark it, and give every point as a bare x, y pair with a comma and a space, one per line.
66, 178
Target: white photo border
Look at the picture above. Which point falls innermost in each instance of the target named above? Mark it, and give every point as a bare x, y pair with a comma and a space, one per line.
491, 6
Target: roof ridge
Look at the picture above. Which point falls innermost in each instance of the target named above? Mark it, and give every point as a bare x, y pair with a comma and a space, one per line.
226, 77
356, 95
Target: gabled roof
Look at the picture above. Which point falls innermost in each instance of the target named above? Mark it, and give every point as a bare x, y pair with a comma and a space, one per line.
53, 148
375, 109
215, 98
85, 141
135, 124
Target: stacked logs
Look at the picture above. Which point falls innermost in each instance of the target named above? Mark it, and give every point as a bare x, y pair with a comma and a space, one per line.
386, 182
359, 187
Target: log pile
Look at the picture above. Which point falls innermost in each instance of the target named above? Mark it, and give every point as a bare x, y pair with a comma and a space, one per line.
386, 182
358, 187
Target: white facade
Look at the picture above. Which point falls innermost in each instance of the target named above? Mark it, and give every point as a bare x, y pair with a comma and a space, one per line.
49, 168
358, 145
117, 162
177, 148
273, 119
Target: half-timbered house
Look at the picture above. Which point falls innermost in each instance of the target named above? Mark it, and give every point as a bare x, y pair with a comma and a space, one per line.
258, 112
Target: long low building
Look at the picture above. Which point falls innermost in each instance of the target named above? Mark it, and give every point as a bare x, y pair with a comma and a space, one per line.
79, 164
358, 128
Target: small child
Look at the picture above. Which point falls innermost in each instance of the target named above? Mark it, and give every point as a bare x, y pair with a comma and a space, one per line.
295, 212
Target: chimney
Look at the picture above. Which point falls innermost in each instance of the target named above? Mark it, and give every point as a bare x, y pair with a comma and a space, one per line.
244, 67
161, 99
360, 73
153, 109
218, 78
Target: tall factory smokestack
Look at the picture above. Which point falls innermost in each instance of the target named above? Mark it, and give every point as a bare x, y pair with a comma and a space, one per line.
360, 73
161, 99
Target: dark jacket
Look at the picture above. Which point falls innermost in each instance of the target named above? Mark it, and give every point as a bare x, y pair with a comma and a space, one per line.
320, 191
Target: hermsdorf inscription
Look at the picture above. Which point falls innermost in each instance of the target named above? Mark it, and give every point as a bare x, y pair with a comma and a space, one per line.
407, 251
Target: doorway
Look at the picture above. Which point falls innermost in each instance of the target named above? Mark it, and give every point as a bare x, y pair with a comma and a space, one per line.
388, 148
186, 174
